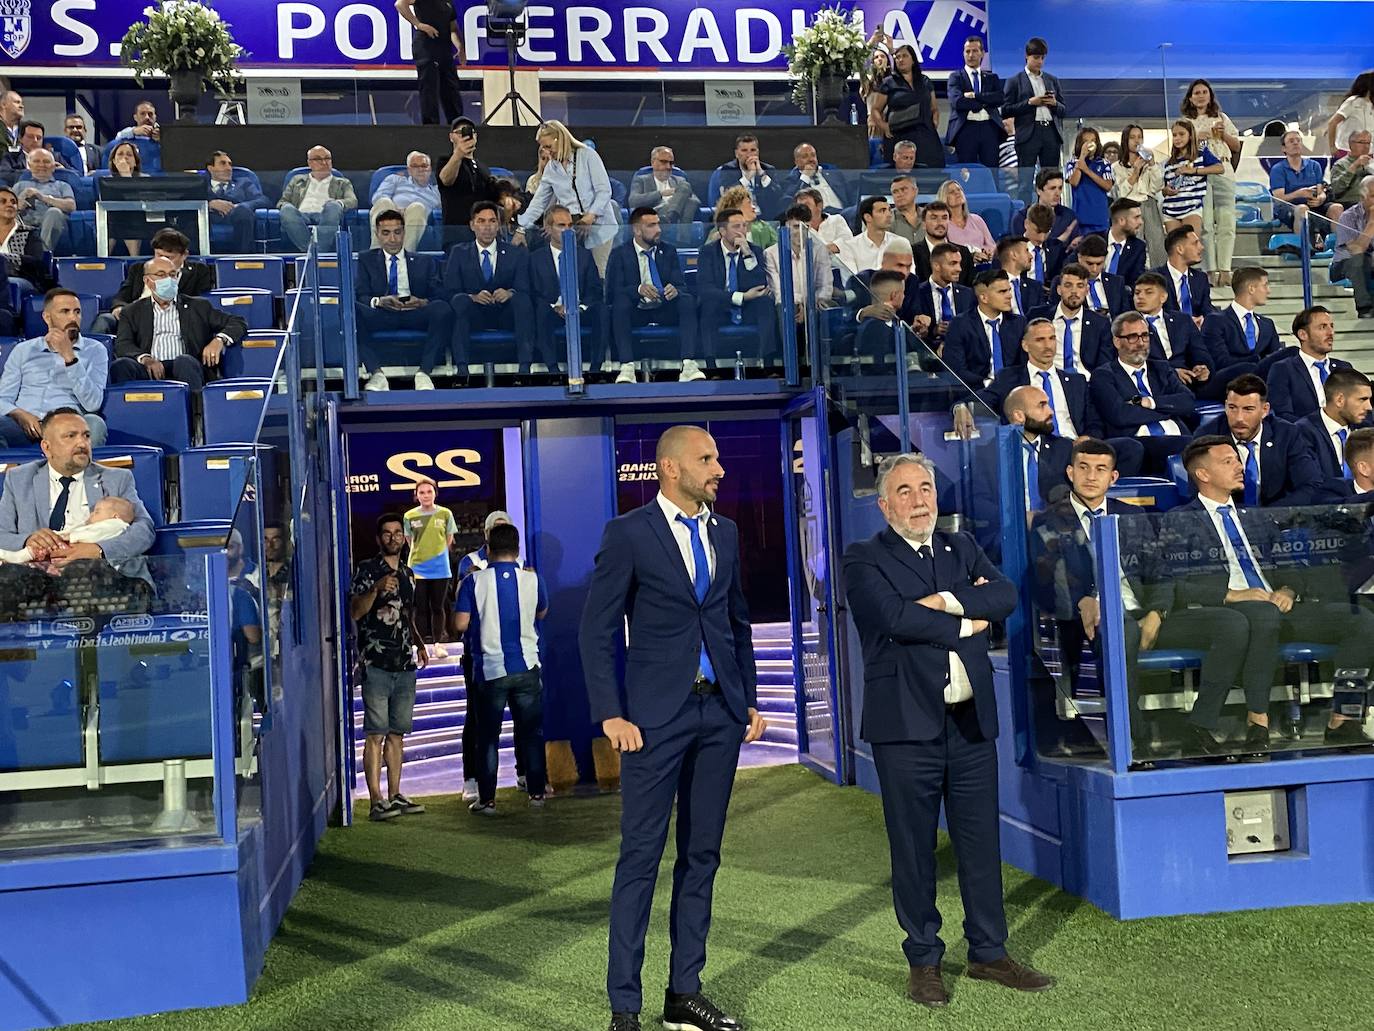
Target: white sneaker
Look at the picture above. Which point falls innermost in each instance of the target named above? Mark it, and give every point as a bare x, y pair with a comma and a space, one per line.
376, 381
469, 791
690, 371
423, 382
520, 784
627, 373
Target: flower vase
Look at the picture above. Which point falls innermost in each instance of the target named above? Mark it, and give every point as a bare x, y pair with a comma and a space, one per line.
185, 91
830, 97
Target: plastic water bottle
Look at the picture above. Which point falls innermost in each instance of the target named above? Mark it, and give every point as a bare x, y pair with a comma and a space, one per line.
739, 365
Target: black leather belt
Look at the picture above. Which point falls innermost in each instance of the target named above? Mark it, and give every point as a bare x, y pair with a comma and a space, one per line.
703, 686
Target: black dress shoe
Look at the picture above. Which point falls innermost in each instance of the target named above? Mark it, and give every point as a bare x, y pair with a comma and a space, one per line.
1199, 741
1256, 744
692, 1011
926, 986
1346, 733
1011, 974
625, 1022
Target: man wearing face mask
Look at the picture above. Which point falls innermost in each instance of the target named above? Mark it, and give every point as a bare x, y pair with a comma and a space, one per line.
61, 369
194, 278
163, 336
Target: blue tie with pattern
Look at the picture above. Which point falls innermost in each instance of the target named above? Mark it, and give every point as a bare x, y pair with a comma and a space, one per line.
1045, 379
1243, 556
1185, 296
488, 270
732, 284
1094, 295
1251, 338
1156, 430
393, 278
701, 583
1251, 495
946, 305
1321, 370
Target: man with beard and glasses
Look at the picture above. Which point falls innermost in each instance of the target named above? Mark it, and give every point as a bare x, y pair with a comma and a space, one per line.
922, 601
61, 369
690, 701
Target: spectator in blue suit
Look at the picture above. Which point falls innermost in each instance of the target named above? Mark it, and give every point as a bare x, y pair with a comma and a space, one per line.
546, 290
749, 170
1047, 252
489, 282
1126, 252
1238, 337
233, 202
1277, 457
1297, 378
1107, 295
1345, 409
982, 341
1049, 193
645, 287
975, 100
1014, 258
943, 295
732, 286
1085, 338
1174, 337
395, 290
807, 173
1137, 396
1189, 290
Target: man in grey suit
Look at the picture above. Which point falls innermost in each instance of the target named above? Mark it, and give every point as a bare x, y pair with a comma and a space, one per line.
667, 192
42, 499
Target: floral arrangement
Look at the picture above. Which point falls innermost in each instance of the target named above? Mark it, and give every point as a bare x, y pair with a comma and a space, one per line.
832, 45
182, 36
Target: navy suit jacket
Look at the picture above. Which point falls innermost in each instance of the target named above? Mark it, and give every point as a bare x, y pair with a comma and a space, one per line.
545, 288
1132, 261
1061, 558
968, 352
1054, 258
1198, 288
422, 271
1289, 473
1075, 386
463, 272
837, 180
1113, 292
858, 285
1017, 105
1185, 340
1034, 294
767, 199
1112, 392
920, 263
1224, 336
989, 98
1324, 451
924, 303
622, 272
1292, 394
906, 646
640, 574
711, 273
1093, 347
1063, 218
242, 192
1200, 572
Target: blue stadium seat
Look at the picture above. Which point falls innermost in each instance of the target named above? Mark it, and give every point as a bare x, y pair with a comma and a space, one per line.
256, 355
327, 269
232, 409
1149, 493
329, 327
974, 178
260, 272
100, 276
251, 304
200, 536
41, 719
155, 699
155, 412
34, 326
1302, 651
149, 152
377, 178
1164, 660
210, 482
1208, 410
64, 150
1180, 477
10, 457
146, 465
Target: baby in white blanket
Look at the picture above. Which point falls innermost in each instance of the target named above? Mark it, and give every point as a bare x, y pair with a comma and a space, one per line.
110, 516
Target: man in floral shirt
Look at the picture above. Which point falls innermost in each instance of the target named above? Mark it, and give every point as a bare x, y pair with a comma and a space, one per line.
382, 603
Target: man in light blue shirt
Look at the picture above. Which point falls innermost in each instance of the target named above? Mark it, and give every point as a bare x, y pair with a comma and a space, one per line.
501, 605
413, 193
60, 370
45, 203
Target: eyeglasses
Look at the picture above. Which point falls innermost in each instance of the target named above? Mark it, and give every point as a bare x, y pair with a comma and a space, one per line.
1133, 338
314, 161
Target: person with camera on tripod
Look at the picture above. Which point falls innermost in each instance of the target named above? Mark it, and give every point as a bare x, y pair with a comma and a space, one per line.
436, 39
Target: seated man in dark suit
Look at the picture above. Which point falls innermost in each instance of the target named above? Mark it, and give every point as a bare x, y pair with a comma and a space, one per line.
1277, 460
1044, 453
732, 287
194, 278
1223, 556
835, 190
1107, 294
546, 288
1049, 191
1189, 290
166, 336
982, 341
397, 289
879, 318
935, 222
1359, 455
1237, 335
1084, 336
41, 500
942, 295
645, 287
1066, 587
1125, 249
1047, 253
760, 178
489, 283
1346, 408
1137, 396
1296, 375
1175, 338
897, 257
233, 202
1014, 258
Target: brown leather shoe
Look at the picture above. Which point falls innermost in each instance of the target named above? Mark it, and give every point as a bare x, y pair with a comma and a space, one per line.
1011, 974
925, 986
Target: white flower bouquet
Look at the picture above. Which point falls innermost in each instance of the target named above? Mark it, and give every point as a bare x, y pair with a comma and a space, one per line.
182, 36
832, 45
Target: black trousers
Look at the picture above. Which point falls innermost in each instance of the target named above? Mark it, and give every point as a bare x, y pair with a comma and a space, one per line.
438, 77
1349, 627
429, 609
1041, 148
681, 311
435, 320
183, 368
514, 316
978, 143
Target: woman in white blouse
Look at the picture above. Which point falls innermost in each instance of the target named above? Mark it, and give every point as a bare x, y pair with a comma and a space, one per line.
575, 177
1138, 177
1218, 135
1356, 114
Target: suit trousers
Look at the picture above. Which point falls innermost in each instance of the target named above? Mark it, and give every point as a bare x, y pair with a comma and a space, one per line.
553, 352
1350, 628
240, 222
1042, 148
692, 758
958, 768
437, 77
1219, 223
978, 143
183, 368
512, 317
761, 314
681, 311
435, 320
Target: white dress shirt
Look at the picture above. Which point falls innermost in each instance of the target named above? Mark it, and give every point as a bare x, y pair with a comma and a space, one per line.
1177, 278
167, 343
861, 253
1316, 376
402, 275
78, 509
958, 688
1157, 323
975, 76
1076, 319
644, 255
937, 294
1059, 400
1042, 114
316, 195
816, 181
490, 249
1242, 311
1168, 425
1237, 575
1129, 602
683, 535
834, 229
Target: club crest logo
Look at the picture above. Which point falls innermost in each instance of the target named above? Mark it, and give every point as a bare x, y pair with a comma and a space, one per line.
16, 27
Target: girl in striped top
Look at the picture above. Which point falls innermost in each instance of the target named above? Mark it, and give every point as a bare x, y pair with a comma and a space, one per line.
1185, 188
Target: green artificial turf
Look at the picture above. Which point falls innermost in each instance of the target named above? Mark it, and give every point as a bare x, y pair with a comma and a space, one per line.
452, 921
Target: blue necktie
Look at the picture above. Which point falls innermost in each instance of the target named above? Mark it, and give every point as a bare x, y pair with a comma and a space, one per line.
976, 79
1321, 371
1034, 500
1250, 339
1094, 296
1247, 562
701, 582
1039, 263
1342, 433
1156, 430
1185, 296
1154, 333
487, 270
1093, 515
58, 519
1068, 345
1116, 258
1251, 494
996, 345
946, 306
732, 284
393, 279
653, 270
1045, 379
1016, 292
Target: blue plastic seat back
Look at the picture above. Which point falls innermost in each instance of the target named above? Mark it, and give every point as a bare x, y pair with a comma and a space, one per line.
259, 272
155, 412
146, 465
231, 409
